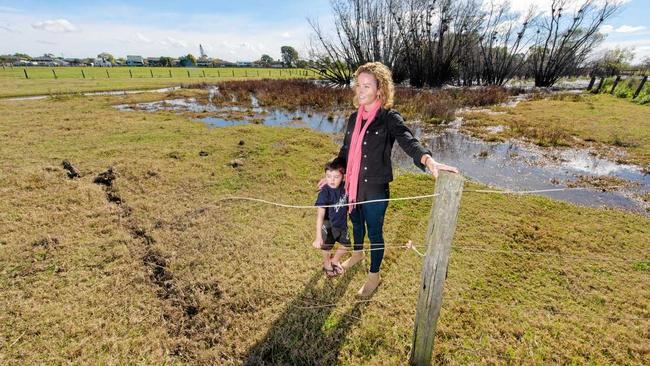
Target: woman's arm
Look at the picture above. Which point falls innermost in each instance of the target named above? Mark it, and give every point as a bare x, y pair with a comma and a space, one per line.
406, 140
421, 156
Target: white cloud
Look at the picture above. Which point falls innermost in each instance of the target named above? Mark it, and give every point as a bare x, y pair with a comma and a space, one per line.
8, 28
629, 29
286, 35
171, 41
606, 29
640, 47
55, 26
141, 37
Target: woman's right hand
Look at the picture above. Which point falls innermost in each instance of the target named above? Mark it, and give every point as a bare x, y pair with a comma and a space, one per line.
321, 183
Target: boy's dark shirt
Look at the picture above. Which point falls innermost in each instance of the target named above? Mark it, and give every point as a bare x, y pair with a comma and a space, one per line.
332, 196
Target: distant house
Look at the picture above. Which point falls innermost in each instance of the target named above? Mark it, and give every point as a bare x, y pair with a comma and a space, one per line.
134, 60
153, 61
73, 61
244, 63
204, 61
60, 62
45, 60
101, 62
222, 63
16, 60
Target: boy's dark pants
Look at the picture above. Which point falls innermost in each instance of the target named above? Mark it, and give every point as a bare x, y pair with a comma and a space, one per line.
370, 215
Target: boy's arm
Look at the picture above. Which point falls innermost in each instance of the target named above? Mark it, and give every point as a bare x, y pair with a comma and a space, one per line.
320, 218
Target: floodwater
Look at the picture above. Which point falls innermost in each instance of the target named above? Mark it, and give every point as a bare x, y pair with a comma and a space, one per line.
511, 165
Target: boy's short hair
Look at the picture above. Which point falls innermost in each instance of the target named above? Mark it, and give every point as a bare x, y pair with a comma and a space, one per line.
336, 164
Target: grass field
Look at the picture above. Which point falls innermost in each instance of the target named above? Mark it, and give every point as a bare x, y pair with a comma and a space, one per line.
154, 270
578, 120
70, 79
626, 88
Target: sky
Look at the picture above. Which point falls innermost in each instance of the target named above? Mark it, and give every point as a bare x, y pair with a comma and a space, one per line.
239, 30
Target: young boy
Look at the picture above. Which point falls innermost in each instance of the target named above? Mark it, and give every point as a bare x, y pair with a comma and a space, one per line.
332, 222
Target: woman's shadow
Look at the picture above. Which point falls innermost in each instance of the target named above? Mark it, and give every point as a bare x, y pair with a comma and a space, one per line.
308, 333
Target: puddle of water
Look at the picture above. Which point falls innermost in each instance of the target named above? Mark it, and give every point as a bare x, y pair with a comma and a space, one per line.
495, 129
505, 165
512, 166
280, 118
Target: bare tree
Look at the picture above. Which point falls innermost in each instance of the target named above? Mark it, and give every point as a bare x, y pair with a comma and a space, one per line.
432, 31
502, 43
562, 43
364, 32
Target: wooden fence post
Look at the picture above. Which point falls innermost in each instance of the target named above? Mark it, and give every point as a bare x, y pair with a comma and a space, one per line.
203, 73
440, 233
83, 74
188, 73
591, 83
54, 72
170, 73
107, 74
600, 85
130, 73
618, 78
638, 90
233, 73
26, 76
218, 73
151, 72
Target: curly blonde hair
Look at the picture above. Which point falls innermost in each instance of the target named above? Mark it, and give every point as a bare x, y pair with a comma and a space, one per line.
385, 86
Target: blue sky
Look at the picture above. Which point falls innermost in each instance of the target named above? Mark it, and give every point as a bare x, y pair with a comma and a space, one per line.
231, 30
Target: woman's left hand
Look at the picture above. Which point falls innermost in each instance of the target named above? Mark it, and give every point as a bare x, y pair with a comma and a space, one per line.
435, 167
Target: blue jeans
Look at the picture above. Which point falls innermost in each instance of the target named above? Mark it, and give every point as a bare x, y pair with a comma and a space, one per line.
370, 216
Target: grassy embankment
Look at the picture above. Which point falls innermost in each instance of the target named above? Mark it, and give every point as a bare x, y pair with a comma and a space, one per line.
154, 270
601, 121
70, 80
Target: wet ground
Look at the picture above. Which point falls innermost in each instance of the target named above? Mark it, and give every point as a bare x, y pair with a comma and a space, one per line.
511, 165
110, 92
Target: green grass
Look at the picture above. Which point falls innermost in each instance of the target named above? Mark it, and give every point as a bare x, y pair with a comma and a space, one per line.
626, 88
70, 80
573, 120
173, 276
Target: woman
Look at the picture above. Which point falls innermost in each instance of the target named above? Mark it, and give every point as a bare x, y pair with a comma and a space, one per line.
367, 146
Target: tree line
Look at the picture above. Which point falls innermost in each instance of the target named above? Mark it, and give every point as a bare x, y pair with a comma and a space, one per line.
461, 42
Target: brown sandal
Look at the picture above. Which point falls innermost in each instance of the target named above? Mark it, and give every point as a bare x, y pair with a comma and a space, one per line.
330, 273
338, 269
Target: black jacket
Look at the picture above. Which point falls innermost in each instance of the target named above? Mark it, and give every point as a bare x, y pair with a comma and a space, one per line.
387, 127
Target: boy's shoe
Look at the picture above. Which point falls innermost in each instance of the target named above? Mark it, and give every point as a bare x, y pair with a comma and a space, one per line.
370, 286
338, 269
354, 259
330, 272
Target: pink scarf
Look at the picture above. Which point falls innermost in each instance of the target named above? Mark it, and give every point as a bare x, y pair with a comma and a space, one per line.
354, 152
